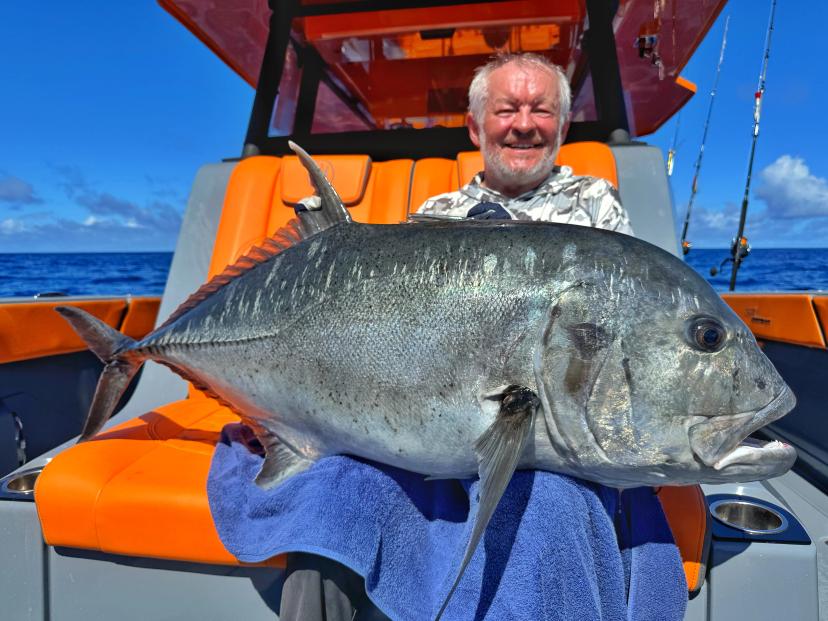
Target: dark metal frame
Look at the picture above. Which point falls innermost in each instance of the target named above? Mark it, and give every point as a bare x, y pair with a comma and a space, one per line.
408, 143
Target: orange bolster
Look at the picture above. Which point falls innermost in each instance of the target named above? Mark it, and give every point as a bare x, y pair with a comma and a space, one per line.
140, 317
244, 215
34, 329
821, 307
790, 318
431, 176
686, 511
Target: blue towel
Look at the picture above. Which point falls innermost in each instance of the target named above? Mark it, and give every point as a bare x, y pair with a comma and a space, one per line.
550, 551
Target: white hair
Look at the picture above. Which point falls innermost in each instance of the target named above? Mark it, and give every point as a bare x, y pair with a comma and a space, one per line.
479, 87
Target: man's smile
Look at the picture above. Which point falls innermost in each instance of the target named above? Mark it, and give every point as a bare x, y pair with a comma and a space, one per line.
524, 146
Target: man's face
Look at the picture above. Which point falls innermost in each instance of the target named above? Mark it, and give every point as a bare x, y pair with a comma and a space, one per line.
518, 134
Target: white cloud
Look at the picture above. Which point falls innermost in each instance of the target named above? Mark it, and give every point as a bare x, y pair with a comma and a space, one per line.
790, 190
714, 220
10, 226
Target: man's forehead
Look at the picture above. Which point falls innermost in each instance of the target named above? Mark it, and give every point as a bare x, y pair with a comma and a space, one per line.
505, 80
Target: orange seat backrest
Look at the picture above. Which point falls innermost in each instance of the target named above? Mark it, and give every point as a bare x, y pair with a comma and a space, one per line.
263, 190
584, 158
437, 175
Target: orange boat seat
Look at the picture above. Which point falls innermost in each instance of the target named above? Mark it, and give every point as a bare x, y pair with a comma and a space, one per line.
139, 489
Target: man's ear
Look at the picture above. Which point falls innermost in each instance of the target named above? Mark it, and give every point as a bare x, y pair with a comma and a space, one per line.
565, 130
474, 130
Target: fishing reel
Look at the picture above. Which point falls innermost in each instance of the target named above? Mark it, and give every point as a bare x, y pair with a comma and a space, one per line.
685, 246
738, 248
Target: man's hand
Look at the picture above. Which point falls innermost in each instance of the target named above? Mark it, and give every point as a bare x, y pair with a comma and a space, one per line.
488, 211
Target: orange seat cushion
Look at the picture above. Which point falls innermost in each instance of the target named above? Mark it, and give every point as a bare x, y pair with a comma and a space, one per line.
140, 488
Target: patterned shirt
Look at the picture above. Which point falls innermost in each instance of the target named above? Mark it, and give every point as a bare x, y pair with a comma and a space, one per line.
563, 197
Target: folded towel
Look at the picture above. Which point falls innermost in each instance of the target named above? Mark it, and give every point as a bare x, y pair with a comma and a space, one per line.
549, 552
654, 575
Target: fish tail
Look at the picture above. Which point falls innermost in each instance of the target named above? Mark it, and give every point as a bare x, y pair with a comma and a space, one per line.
121, 365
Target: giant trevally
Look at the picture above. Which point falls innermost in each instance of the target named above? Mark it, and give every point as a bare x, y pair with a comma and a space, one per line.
458, 349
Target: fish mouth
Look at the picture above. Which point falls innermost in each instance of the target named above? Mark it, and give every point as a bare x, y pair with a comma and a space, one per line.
751, 451
722, 441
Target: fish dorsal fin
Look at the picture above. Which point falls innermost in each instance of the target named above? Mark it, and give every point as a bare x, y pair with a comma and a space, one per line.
332, 209
311, 221
294, 232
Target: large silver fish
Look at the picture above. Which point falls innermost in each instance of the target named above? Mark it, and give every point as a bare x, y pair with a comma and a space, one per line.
468, 348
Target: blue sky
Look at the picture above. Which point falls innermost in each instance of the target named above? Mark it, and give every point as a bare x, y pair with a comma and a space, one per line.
789, 191
108, 109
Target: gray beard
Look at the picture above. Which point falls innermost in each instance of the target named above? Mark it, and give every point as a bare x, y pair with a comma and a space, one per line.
501, 170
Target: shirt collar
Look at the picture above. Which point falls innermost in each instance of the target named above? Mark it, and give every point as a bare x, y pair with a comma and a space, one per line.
551, 184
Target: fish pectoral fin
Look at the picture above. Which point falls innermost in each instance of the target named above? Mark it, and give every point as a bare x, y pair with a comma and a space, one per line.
498, 451
281, 462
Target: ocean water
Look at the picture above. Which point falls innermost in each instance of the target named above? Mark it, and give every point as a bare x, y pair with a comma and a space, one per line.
104, 273
144, 273
767, 269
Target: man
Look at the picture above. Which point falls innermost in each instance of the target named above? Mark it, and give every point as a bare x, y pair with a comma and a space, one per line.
518, 108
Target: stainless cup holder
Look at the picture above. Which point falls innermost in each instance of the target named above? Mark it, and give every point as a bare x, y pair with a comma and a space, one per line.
748, 516
20, 484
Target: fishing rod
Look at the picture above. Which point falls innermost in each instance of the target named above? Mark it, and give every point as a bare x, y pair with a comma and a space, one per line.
740, 247
685, 245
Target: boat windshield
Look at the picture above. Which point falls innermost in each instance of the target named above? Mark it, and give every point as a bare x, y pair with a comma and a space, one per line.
336, 67
412, 68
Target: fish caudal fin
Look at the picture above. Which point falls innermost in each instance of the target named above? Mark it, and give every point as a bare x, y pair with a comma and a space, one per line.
112, 348
498, 452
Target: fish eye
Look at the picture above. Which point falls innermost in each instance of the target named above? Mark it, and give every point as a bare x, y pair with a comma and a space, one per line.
706, 334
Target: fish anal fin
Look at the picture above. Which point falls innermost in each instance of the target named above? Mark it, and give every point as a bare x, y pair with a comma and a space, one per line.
498, 451
281, 462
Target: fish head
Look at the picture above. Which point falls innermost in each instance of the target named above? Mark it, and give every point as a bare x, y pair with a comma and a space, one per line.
648, 377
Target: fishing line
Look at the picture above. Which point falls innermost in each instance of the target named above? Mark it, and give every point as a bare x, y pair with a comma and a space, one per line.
685, 245
740, 248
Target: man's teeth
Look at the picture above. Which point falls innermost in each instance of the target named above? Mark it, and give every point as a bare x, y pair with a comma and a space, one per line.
522, 146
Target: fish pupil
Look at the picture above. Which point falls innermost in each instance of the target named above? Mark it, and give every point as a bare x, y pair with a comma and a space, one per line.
711, 337
706, 334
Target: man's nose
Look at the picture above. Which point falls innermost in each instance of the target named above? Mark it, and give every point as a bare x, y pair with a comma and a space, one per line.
524, 123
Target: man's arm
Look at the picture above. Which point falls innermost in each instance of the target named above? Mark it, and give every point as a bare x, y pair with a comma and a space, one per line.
452, 204
602, 201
